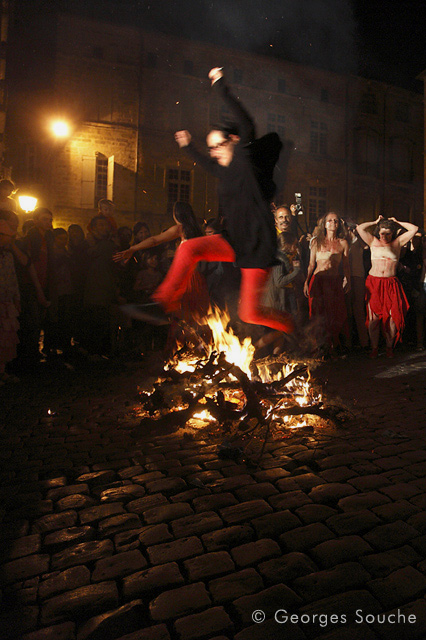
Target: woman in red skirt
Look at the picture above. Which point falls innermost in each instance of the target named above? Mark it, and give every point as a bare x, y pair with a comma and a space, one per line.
324, 285
386, 301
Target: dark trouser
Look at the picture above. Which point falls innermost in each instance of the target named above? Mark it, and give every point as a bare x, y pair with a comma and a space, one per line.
97, 329
31, 321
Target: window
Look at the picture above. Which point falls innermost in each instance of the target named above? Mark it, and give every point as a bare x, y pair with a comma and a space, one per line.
402, 112
97, 178
281, 85
276, 122
317, 204
319, 138
238, 76
368, 103
324, 95
366, 146
178, 187
188, 67
101, 177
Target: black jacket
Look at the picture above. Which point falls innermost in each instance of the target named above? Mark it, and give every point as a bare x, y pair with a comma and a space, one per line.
246, 188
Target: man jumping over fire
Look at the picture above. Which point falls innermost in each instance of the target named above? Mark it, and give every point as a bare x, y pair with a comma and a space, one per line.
244, 168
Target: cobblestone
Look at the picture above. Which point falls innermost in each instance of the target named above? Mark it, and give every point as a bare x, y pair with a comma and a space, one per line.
20, 547
268, 601
55, 521
398, 587
254, 552
353, 522
202, 625
82, 553
275, 523
179, 602
228, 537
333, 552
391, 535
152, 580
166, 512
23, 568
196, 524
65, 581
82, 602
94, 514
175, 550
64, 631
209, 565
60, 539
381, 564
235, 585
286, 568
342, 577
289, 526
119, 565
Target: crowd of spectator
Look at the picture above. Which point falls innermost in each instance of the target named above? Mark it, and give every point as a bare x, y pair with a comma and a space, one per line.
62, 293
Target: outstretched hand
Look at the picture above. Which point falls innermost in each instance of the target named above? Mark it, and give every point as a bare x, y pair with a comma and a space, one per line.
123, 256
215, 74
183, 138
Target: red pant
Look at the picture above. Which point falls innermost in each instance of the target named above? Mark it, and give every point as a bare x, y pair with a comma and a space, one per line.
216, 249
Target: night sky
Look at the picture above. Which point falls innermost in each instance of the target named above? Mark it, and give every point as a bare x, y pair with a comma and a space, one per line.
379, 39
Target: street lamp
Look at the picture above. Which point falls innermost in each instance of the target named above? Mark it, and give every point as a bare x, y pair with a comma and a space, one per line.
27, 203
60, 129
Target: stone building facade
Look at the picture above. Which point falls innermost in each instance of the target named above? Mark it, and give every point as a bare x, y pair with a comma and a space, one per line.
350, 145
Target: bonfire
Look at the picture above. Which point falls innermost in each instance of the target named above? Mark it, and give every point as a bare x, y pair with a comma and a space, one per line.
237, 399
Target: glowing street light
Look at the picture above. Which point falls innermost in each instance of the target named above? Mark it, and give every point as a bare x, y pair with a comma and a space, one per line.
60, 128
27, 203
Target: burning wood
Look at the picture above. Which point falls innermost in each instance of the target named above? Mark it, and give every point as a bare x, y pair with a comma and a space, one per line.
227, 390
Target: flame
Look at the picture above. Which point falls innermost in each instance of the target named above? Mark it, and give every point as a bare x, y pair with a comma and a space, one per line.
204, 415
241, 353
236, 352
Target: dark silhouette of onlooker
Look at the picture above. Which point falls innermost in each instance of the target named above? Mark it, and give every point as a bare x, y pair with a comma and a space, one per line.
37, 285
100, 290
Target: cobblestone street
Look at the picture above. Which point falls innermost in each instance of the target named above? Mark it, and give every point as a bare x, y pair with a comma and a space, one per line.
107, 535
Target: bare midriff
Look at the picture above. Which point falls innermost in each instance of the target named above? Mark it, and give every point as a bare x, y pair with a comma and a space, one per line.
384, 259
328, 262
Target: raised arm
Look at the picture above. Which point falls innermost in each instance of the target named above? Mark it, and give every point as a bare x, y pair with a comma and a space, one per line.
311, 267
246, 128
184, 140
364, 234
153, 241
410, 233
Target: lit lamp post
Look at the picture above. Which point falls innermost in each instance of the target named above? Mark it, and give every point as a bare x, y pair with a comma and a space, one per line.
27, 203
60, 129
